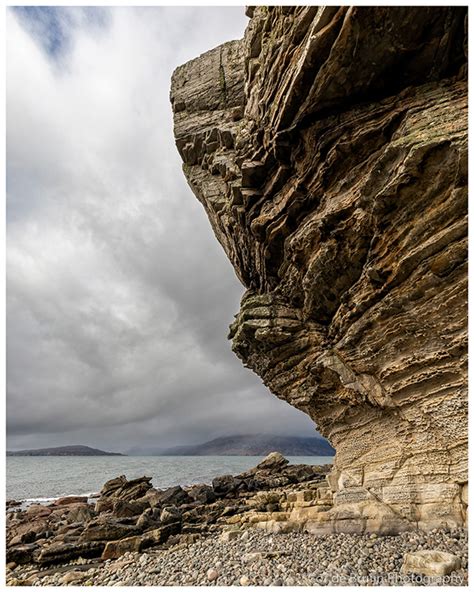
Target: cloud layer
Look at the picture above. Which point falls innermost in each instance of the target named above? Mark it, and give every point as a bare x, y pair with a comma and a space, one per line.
119, 297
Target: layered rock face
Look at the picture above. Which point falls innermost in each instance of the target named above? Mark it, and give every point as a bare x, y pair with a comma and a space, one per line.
329, 149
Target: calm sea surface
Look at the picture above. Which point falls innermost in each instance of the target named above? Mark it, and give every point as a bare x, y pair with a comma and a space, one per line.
47, 477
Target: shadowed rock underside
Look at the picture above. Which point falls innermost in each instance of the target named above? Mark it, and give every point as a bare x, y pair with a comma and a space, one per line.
329, 149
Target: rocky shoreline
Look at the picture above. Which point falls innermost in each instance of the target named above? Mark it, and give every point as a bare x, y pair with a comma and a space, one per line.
233, 532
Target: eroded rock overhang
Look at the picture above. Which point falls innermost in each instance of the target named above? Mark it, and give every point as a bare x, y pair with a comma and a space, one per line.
329, 149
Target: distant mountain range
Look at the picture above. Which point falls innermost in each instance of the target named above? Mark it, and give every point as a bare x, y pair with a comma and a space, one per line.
240, 445
246, 445
63, 451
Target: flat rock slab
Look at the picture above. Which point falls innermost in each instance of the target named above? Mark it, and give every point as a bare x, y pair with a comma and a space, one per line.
230, 535
430, 563
70, 499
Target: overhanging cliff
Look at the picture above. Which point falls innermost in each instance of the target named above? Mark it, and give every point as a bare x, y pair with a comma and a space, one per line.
329, 149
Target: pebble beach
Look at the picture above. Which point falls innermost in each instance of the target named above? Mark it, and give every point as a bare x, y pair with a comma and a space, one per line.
241, 531
256, 558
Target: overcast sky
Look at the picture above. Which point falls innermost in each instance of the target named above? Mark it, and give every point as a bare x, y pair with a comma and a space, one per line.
119, 296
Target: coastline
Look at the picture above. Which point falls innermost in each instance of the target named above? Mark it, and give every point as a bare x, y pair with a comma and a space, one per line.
235, 531
62, 476
24, 504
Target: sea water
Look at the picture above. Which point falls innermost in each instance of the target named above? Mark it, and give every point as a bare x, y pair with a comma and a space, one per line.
44, 478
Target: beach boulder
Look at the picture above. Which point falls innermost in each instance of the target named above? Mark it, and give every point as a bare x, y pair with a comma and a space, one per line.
224, 485
134, 489
148, 519
430, 563
273, 462
173, 496
107, 529
160, 535
80, 513
38, 511
110, 487
170, 514
122, 488
302, 473
114, 549
203, 494
124, 509
73, 577
26, 531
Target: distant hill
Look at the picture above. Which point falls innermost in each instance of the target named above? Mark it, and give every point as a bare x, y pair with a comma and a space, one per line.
250, 445
63, 451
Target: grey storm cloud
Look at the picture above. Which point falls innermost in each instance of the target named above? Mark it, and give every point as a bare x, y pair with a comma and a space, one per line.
118, 295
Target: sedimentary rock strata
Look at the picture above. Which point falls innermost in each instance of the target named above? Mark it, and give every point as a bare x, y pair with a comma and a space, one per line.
329, 149
133, 516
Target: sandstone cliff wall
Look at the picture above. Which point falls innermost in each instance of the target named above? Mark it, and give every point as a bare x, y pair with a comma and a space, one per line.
329, 149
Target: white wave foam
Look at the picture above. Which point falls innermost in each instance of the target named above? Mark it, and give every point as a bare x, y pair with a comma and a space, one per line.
45, 500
